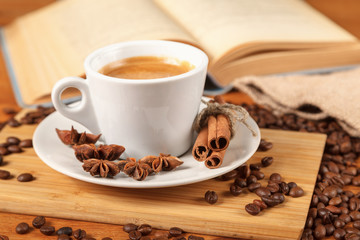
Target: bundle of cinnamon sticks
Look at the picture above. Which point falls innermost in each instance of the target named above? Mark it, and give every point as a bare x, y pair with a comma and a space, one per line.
213, 139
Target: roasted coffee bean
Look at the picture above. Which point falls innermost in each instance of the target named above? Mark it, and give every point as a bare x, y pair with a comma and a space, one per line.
88, 238
344, 210
309, 222
354, 204
270, 201
253, 186
4, 144
267, 161
355, 215
107, 238
284, 188
25, 177
333, 209
351, 236
255, 167
63, 237
276, 177
135, 235
324, 199
252, 209
273, 187
4, 151
339, 223
349, 194
314, 200
322, 212
296, 192
320, 205
129, 227
79, 234
1, 160
3, 237
251, 179
335, 201
339, 234
320, 232
258, 174
260, 203
64, 230
345, 217
243, 171
352, 230
292, 185
279, 196
330, 191
235, 190
26, 143
13, 123
346, 179
356, 224
329, 229
193, 237
4, 174
317, 222
175, 231
145, 229
262, 191
240, 182
313, 212
211, 197
14, 149
22, 228
47, 230
307, 234
228, 176
38, 221
13, 140
265, 145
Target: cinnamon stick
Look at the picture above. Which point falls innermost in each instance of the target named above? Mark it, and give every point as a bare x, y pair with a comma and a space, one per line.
219, 133
215, 159
200, 149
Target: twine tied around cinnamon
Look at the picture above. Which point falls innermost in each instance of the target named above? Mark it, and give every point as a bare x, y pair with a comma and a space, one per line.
233, 112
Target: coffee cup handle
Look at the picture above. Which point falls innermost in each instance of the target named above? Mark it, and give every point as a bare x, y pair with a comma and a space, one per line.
83, 112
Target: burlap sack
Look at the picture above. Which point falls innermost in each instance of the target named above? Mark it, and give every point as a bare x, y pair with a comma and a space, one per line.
335, 95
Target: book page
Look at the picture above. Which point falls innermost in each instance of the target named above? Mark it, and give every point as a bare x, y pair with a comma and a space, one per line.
52, 43
221, 26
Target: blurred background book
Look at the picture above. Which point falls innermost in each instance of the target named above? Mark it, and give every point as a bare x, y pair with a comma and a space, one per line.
240, 37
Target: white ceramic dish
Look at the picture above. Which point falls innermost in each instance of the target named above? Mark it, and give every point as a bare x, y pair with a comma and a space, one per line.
62, 159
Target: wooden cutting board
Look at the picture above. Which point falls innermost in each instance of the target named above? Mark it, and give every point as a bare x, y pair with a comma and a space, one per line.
296, 155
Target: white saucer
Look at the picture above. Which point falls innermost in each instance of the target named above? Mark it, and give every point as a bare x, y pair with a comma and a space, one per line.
62, 159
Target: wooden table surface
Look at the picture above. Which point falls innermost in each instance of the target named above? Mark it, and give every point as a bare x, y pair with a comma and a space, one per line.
344, 12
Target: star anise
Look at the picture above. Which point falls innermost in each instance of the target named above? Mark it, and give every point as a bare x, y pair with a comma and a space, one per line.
135, 169
163, 162
72, 137
105, 152
102, 168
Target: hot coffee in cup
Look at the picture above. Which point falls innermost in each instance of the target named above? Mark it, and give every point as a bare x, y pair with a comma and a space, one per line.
147, 115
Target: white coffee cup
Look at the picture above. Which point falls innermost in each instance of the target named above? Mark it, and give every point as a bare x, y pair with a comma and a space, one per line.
147, 117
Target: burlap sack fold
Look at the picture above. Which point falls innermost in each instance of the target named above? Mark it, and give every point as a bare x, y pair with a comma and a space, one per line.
335, 95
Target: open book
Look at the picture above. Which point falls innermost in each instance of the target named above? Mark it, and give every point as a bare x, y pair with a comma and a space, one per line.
240, 37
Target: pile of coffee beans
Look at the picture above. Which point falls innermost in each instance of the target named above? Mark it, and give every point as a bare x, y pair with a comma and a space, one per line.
14, 145
247, 176
334, 209
135, 232
31, 117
